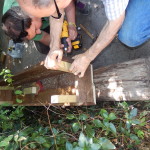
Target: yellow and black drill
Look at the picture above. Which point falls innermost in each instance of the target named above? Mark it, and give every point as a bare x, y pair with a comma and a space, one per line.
76, 44
64, 36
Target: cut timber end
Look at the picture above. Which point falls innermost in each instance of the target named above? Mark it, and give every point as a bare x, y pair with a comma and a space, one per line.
55, 99
30, 90
64, 66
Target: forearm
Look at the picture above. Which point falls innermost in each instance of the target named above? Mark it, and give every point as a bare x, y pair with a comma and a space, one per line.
107, 34
70, 12
55, 31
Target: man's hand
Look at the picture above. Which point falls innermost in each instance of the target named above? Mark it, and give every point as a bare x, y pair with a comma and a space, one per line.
72, 32
53, 57
80, 65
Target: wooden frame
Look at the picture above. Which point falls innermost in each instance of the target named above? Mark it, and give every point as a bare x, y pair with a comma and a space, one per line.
81, 88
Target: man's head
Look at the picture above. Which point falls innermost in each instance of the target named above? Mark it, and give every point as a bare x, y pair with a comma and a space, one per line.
19, 26
42, 8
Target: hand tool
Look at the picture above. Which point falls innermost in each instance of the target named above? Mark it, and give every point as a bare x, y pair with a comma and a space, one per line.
64, 36
76, 44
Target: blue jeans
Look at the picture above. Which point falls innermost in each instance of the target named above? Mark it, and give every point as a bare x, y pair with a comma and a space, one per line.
136, 26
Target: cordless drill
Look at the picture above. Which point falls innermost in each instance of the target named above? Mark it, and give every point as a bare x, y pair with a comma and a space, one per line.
64, 36
76, 44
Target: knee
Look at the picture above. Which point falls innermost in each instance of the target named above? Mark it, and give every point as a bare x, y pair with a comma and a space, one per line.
130, 39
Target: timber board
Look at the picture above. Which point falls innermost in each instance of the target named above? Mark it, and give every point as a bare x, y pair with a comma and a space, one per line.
84, 91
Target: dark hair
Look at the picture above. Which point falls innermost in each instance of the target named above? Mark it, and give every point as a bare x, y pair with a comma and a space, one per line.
16, 22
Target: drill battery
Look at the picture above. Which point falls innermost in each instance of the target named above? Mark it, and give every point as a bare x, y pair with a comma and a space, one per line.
76, 43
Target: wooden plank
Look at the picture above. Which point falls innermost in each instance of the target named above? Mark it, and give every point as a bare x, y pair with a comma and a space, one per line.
82, 88
36, 73
128, 81
64, 66
56, 99
6, 88
6, 97
85, 89
44, 97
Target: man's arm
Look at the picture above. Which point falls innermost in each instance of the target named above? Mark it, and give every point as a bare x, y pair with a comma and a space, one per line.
45, 39
70, 15
55, 54
105, 37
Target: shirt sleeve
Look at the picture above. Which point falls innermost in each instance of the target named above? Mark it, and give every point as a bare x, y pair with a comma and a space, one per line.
8, 4
114, 8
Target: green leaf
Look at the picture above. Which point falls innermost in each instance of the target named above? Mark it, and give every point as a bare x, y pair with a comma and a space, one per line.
135, 121
40, 139
142, 120
19, 100
10, 75
89, 131
112, 128
47, 145
22, 138
140, 134
133, 113
134, 137
69, 146
128, 124
55, 131
97, 123
78, 148
144, 113
124, 105
112, 116
70, 116
9, 80
1, 73
106, 123
123, 130
32, 145
7, 71
9, 138
83, 117
6, 141
16, 138
104, 113
95, 146
76, 127
82, 140
18, 92
106, 144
